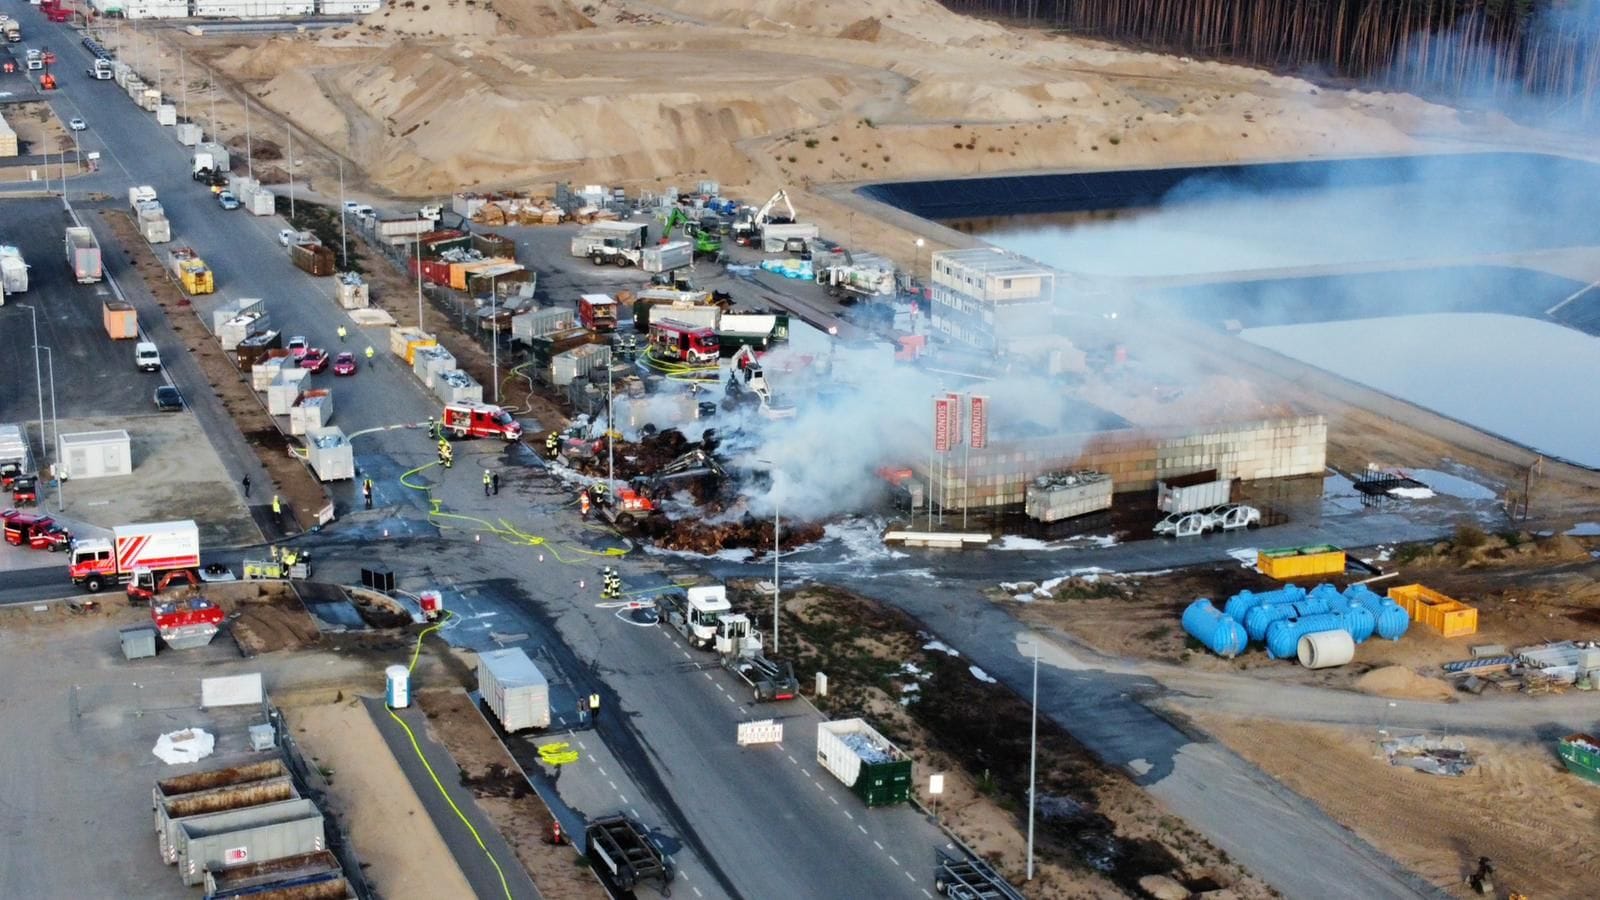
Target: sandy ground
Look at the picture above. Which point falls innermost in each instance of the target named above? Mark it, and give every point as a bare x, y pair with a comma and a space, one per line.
395, 839
38, 130
505, 795
1540, 590
266, 616
1519, 806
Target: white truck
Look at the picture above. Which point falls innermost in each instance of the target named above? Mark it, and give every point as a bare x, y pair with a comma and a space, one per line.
144, 193
83, 255
100, 70
857, 279
618, 243
739, 650
695, 613
210, 160
158, 547
13, 270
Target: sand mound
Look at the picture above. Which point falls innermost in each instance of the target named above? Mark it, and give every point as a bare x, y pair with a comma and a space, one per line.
1401, 683
458, 19
920, 19
866, 29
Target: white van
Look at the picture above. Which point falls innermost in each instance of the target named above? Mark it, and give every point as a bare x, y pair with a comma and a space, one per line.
147, 357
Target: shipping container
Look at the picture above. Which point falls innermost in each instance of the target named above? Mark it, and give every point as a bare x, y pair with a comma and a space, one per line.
225, 798
353, 292
231, 308
494, 245
347, 7
1195, 491
167, 114
456, 386
285, 389
434, 271
460, 270
168, 788
189, 133
121, 322
234, 331
1300, 562
403, 229
514, 688
156, 229
864, 761
313, 259
8, 139
247, 835
666, 257
14, 449
259, 201
429, 362
1052, 498
83, 255
401, 336
1444, 614
254, 348
329, 453
435, 244
314, 409
539, 322
265, 372
577, 363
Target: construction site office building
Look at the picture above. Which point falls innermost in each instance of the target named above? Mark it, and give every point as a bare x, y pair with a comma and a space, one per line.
983, 296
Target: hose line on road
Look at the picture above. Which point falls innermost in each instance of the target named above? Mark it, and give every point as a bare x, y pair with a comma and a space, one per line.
503, 530
417, 748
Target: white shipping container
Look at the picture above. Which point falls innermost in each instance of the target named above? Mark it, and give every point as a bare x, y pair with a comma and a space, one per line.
329, 452
565, 368
1182, 498
264, 373
156, 229
167, 114
1051, 498
517, 692
843, 760
189, 133
282, 393
353, 292
456, 386
347, 7
314, 409
234, 308
14, 447
428, 362
236, 329
666, 257
260, 201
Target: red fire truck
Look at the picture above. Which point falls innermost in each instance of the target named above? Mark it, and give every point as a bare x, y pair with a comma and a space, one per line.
468, 419
682, 342
598, 312
159, 547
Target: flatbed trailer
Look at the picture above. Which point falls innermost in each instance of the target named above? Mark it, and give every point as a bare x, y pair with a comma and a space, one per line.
622, 847
965, 878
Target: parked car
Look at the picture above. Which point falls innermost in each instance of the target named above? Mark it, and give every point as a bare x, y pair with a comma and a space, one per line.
298, 346
344, 364
76, 123
315, 359
286, 236
37, 531
168, 399
146, 357
227, 200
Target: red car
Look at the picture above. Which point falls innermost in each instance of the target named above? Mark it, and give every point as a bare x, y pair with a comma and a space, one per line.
344, 364
316, 359
36, 531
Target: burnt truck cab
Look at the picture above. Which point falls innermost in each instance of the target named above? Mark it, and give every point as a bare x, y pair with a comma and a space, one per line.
469, 419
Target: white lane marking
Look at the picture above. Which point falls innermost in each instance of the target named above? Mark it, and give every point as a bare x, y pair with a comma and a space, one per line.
804, 771
686, 655
878, 845
624, 800
795, 761
834, 799
707, 675
925, 892
848, 816
586, 746
696, 891
612, 783
863, 829
912, 878
634, 812
893, 860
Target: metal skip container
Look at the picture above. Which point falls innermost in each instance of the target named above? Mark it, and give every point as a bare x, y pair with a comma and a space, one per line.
516, 691
247, 835
329, 453
1051, 498
863, 760
171, 811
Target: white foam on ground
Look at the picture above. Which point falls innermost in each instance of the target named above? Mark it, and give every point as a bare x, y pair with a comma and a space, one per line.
1411, 493
1247, 556
941, 647
187, 746
1079, 542
981, 675
861, 539
1452, 485
1584, 529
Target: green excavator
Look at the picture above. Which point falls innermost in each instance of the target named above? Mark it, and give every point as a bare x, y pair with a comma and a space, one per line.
706, 243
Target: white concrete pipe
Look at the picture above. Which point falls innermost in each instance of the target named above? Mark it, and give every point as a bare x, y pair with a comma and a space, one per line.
1326, 649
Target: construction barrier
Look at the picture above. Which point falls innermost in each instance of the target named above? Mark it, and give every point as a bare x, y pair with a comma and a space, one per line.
1300, 562
765, 731
1446, 615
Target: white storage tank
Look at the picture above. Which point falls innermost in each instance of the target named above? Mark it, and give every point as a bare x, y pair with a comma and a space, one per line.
96, 454
514, 688
397, 687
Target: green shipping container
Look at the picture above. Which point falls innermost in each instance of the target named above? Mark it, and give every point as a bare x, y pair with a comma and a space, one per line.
865, 761
1581, 755
884, 784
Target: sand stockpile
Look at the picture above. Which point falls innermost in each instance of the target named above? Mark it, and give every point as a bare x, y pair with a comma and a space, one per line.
1400, 683
759, 94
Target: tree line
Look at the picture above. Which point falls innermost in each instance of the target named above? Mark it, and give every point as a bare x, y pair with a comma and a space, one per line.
1501, 49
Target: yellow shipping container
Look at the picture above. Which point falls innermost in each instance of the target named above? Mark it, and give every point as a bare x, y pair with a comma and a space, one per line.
413, 346
1288, 563
195, 277
401, 335
1446, 615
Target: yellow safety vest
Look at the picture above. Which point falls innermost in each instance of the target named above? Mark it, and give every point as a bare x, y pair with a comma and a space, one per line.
594, 701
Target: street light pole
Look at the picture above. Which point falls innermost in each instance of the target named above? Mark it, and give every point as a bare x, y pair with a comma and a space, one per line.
38, 374
344, 251
776, 545
611, 425
55, 432
494, 337
1033, 756
291, 173
418, 242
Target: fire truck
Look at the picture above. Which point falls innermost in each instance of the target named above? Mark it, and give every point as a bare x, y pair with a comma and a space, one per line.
673, 340
598, 312
468, 419
158, 548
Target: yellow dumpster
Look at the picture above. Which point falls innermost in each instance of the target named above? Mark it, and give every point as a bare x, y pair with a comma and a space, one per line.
1287, 563
1446, 615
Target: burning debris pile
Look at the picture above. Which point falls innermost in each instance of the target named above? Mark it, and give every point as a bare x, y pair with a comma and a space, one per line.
643, 457
704, 537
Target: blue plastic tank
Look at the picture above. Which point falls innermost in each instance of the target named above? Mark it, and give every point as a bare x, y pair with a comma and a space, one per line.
1283, 636
1240, 604
1358, 620
1392, 620
1257, 619
1211, 627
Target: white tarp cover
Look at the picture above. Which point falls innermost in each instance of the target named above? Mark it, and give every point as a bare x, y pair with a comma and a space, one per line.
231, 690
186, 746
